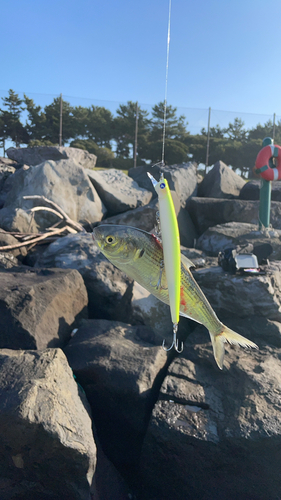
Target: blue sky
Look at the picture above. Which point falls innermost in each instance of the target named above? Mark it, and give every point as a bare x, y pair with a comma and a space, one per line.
223, 54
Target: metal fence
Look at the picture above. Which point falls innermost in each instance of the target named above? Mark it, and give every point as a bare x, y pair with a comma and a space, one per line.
196, 118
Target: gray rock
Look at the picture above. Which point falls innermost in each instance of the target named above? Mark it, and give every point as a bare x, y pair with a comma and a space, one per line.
221, 182
145, 218
19, 221
142, 218
117, 191
232, 234
208, 212
181, 178
117, 366
6, 170
243, 295
215, 435
39, 308
251, 191
65, 183
109, 290
8, 184
149, 311
7, 239
47, 448
39, 154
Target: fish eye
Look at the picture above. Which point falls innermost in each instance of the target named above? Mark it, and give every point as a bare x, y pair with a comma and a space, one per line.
109, 239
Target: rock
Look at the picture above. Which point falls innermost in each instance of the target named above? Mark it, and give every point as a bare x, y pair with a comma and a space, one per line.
145, 218
6, 170
232, 234
149, 311
117, 191
213, 434
208, 212
181, 178
39, 308
221, 182
18, 220
251, 191
142, 218
117, 367
47, 448
65, 183
243, 296
35, 156
109, 290
9, 239
8, 184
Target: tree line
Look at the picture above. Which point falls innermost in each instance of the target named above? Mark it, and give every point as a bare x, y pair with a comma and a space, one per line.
112, 137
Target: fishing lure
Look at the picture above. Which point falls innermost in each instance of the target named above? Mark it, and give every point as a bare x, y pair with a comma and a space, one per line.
171, 251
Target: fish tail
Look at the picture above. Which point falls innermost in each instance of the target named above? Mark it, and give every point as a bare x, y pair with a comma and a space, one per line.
227, 335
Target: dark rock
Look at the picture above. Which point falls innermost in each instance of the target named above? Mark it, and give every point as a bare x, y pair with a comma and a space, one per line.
221, 182
109, 290
117, 369
229, 235
39, 308
213, 434
181, 178
35, 156
208, 212
251, 191
117, 191
47, 450
243, 296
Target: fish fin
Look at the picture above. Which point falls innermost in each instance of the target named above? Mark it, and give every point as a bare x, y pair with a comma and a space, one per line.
228, 335
186, 262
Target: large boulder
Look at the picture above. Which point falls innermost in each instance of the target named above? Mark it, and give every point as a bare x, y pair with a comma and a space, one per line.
39, 308
208, 212
118, 366
117, 191
35, 156
243, 295
64, 182
109, 289
181, 178
232, 234
47, 450
221, 182
213, 434
251, 190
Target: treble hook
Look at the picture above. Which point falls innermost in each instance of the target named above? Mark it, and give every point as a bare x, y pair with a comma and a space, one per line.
175, 343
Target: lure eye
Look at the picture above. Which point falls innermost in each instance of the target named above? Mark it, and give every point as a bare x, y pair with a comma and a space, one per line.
162, 185
109, 239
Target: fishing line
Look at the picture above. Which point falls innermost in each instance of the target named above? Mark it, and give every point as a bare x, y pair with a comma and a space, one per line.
166, 83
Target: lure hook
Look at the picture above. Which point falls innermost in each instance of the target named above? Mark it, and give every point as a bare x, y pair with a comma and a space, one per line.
175, 342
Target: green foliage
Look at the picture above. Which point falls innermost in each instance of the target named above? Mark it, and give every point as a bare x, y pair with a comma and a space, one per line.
112, 138
11, 126
104, 155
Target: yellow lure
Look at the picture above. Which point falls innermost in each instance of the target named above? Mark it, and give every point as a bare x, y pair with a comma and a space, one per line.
171, 247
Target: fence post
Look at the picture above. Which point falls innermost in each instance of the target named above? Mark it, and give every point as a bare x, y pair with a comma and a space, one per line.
208, 142
136, 137
60, 135
273, 132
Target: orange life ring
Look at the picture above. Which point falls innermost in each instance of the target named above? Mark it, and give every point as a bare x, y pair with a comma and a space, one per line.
262, 165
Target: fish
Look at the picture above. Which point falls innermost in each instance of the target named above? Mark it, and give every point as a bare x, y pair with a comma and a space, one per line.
139, 255
171, 249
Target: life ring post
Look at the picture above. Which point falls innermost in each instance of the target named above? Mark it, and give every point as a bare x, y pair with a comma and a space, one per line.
265, 167
265, 202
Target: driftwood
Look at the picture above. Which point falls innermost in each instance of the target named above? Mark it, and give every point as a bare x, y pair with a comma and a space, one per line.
29, 240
